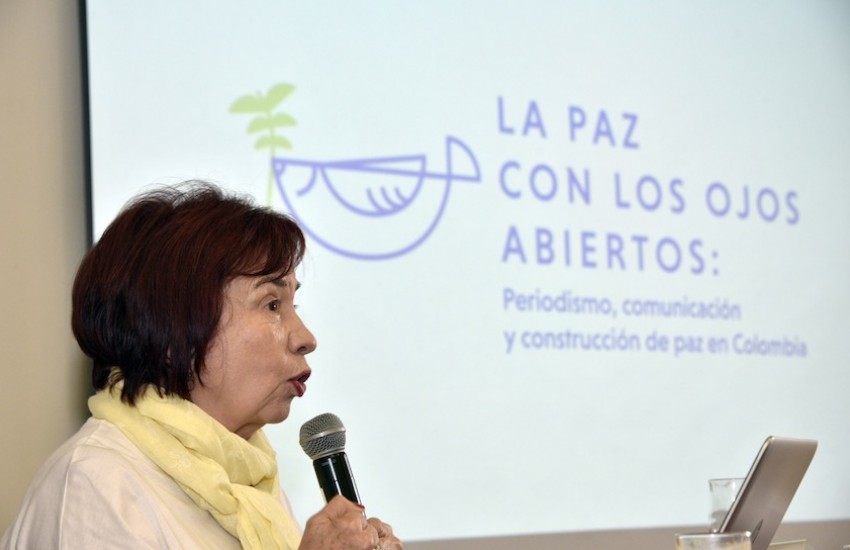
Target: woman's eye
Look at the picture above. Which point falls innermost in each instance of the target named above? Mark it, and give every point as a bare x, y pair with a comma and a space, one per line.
274, 305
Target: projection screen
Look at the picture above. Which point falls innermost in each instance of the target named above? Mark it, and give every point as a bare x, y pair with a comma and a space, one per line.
567, 260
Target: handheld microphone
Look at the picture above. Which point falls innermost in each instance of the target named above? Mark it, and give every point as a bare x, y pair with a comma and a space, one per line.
323, 439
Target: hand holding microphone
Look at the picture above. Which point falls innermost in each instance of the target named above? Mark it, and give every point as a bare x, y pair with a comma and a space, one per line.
342, 524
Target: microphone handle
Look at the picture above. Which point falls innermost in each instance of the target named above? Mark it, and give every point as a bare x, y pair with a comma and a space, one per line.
334, 475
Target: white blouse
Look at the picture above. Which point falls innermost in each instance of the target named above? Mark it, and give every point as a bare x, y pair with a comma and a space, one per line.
99, 491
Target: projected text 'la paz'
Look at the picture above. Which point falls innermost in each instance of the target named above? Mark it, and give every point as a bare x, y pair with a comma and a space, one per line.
551, 190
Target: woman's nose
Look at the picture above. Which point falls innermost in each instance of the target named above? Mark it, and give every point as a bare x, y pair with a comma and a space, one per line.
303, 340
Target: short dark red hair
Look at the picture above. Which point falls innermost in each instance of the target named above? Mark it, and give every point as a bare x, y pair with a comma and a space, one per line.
148, 296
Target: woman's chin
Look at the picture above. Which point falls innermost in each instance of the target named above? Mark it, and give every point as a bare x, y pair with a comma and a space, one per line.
281, 414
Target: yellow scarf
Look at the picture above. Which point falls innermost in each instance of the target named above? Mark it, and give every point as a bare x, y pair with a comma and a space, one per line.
234, 479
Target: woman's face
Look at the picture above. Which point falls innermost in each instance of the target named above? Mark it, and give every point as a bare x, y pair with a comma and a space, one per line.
256, 364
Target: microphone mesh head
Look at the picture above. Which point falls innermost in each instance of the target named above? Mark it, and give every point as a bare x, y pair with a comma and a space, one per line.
322, 436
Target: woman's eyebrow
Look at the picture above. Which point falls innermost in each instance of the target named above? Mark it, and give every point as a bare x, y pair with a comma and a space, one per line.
275, 280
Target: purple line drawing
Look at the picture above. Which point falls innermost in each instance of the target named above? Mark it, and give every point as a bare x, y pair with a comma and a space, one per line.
372, 208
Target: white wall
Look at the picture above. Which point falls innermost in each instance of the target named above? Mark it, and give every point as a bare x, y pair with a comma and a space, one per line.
42, 237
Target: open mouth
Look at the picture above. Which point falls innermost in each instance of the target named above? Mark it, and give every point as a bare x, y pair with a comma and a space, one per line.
300, 382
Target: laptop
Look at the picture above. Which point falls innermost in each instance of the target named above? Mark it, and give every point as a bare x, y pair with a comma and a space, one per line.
768, 489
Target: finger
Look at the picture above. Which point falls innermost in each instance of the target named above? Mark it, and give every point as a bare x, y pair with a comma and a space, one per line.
348, 516
341, 508
373, 533
383, 529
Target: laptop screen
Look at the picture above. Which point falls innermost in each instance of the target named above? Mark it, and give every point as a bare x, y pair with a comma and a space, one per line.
769, 488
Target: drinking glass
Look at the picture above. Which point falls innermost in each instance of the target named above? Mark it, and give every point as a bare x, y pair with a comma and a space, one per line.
723, 492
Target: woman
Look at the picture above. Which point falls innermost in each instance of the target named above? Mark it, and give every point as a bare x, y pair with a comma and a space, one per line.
186, 307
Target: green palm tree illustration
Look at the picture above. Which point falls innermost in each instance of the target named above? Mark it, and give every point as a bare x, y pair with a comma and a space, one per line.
267, 122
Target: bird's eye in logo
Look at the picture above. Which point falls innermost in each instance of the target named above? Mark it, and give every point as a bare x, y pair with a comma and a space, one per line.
366, 208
